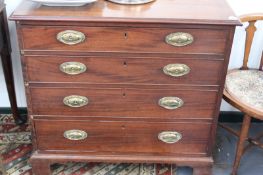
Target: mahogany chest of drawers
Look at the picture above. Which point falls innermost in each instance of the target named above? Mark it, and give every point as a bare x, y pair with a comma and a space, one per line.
115, 83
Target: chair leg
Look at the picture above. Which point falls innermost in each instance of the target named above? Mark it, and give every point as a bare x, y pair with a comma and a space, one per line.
240, 146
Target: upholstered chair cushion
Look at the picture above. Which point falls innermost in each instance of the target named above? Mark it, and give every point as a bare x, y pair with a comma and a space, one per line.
247, 86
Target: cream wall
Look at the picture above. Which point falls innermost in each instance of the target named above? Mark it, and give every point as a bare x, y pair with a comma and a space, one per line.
239, 6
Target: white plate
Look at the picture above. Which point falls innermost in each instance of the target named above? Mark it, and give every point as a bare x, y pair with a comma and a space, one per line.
64, 2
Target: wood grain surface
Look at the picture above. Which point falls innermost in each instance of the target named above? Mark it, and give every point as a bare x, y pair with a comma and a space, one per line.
161, 11
123, 136
141, 103
123, 39
124, 70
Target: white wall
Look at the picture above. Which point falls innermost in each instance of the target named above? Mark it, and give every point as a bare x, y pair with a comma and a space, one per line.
239, 6
4, 102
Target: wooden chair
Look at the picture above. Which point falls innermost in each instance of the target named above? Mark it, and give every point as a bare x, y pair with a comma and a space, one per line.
244, 90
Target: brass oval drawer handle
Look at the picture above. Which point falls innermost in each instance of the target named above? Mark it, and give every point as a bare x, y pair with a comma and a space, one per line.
176, 70
71, 37
179, 39
75, 134
75, 101
171, 102
73, 68
170, 136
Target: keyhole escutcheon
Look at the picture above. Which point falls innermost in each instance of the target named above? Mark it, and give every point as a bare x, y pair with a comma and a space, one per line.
126, 35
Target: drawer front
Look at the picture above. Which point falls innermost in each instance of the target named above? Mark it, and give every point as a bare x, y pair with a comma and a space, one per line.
124, 136
145, 103
118, 39
124, 70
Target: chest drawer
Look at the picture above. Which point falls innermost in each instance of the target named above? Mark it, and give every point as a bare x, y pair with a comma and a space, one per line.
124, 136
104, 70
144, 103
121, 39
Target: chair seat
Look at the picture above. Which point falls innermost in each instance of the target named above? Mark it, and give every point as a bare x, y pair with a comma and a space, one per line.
246, 86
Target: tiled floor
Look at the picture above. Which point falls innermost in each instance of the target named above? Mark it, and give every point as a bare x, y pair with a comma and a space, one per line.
251, 163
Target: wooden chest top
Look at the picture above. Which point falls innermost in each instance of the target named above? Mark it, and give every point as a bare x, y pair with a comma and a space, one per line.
159, 11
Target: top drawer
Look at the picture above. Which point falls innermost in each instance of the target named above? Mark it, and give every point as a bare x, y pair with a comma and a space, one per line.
121, 39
